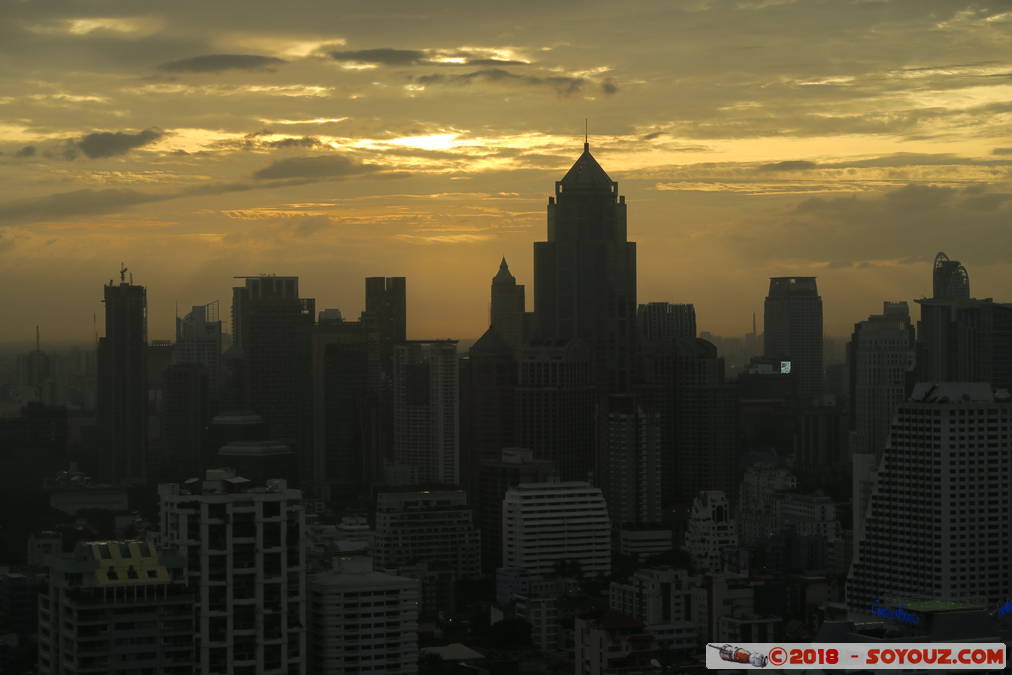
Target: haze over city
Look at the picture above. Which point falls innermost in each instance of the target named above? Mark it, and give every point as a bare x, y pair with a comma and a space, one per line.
845, 140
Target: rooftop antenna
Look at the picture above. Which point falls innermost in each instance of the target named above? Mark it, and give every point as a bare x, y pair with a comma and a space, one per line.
94, 326
753, 323
586, 134
122, 273
36, 337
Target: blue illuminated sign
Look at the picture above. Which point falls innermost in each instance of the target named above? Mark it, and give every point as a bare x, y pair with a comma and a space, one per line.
898, 614
1005, 609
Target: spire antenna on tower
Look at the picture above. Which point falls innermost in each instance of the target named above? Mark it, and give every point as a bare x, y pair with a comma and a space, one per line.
586, 133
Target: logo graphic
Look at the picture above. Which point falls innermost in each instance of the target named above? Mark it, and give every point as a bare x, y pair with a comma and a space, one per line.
739, 655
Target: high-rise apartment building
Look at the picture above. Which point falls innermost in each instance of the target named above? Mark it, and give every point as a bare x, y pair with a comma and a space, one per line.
198, 340
362, 620
585, 273
549, 524
122, 384
245, 562
628, 463
939, 520
116, 607
710, 531
793, 331
426, 410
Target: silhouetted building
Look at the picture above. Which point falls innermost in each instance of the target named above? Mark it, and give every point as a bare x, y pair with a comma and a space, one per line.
939, 520
507, 307
556, 401
186, 410
272, 329
628, 463
710, 531
965, 340
426, 411
122, 384
950, 280
793, 331
881, 358
198, 340
663, 320
385, 317
116, 607
585, 273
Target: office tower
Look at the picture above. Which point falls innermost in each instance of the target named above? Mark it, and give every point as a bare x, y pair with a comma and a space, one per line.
245, 561
793, 331
548, 525
939, 520
950, 280
122, 384
496, 476
346, 409
628, 465
386, 305
186, 409
662, 599
965, 340
507, 307
881, 356
710, 531
663, 321
556, 401
116, 607
198, 340
487, 404
425, 410
428, 535
705, 424
272, 328
362, 620
585, 273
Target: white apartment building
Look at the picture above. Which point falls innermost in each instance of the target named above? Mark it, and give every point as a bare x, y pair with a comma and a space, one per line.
547, 523
362, 621
244, 551
939, 520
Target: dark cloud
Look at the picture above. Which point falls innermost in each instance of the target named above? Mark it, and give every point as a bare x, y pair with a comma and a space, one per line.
27, 151
789, 165
216, 63
314, 168
109, 144
71, 204
303, 142
1002, 151
560, 84
384, 56
609, 87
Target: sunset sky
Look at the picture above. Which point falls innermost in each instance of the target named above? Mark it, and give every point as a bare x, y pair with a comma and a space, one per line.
197, 140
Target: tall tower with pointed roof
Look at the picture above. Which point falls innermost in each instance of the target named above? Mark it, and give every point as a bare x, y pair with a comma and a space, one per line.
585, 274
507, 308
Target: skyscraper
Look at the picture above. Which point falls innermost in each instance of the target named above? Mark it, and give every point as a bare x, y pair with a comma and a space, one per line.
793, 331
425, 410
122, 384
272, 327
628, 466
198, 340
507, 307
939, 520
585, 273
950, 280
881, 357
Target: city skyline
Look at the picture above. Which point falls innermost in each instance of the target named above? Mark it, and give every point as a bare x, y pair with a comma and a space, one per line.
335, 148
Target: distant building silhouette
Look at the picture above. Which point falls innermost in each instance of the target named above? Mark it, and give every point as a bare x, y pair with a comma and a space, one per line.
628, 465
793, 331
185, 411
507, 307
663, 320
585, 273
272, 328
426, 410
199, 340
123, 384
950, 280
